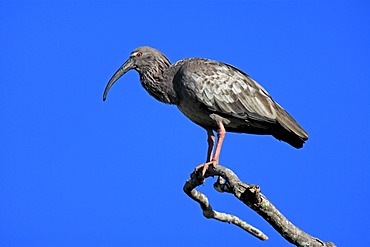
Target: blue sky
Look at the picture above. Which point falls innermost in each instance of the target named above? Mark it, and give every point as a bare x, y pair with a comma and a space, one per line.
77, 171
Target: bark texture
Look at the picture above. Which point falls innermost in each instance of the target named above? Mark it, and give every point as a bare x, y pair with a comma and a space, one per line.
251, 196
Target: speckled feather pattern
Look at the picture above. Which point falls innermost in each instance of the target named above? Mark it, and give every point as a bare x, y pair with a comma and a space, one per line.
225, 89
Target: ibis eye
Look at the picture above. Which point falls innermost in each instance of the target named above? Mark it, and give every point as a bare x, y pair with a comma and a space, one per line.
139, 54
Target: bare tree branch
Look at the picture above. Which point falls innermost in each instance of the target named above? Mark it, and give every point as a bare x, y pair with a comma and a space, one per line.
250, 195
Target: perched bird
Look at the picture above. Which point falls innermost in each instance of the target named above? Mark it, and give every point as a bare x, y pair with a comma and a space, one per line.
216, 96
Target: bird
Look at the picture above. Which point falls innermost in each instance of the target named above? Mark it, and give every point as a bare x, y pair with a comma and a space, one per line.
214, 95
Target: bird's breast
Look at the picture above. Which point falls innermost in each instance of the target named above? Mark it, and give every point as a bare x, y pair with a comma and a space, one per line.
197, 113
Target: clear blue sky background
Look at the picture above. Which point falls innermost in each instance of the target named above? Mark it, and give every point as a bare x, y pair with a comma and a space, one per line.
75, 171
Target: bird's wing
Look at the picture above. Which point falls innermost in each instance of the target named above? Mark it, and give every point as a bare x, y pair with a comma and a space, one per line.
225, 89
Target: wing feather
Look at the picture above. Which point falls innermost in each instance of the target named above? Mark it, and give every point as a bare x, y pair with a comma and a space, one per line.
225, 89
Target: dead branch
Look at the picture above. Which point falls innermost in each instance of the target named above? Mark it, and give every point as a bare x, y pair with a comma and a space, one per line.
251, 196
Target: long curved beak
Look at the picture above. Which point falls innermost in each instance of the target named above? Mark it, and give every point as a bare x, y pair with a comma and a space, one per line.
120, 72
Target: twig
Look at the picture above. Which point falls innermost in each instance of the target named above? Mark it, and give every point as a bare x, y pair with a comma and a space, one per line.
250, 195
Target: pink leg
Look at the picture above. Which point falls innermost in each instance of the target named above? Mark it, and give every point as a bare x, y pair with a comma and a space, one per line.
211, 140
211, 143
221, 136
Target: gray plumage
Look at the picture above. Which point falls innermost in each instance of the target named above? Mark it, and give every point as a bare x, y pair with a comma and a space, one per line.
211, 93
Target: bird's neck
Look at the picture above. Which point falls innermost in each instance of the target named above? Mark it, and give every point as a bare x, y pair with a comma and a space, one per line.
157, 81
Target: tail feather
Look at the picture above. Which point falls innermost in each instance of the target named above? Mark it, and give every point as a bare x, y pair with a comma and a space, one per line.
292, 132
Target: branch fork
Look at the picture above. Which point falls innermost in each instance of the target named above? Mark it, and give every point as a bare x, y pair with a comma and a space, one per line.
251, 196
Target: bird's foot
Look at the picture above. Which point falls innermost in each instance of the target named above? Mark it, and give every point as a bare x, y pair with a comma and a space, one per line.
205, 166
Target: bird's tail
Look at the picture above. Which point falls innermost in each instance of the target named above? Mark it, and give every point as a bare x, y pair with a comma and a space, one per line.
292, 132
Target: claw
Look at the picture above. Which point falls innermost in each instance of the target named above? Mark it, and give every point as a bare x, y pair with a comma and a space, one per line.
205, 166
